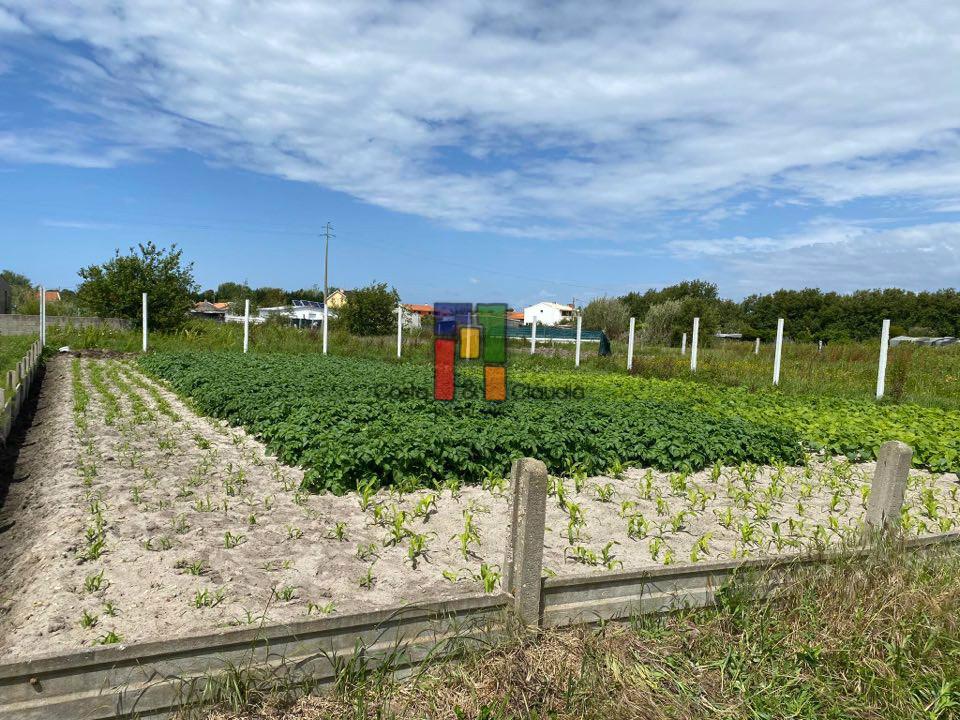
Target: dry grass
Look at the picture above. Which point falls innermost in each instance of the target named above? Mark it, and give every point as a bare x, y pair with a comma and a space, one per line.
868, 638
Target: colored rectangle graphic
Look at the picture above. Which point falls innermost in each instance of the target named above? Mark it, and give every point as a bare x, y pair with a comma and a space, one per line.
469, 343
492, 317
444, 357
494, 382
447, 317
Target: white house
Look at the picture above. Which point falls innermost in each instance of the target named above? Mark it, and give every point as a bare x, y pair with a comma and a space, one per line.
548, 313
301, 312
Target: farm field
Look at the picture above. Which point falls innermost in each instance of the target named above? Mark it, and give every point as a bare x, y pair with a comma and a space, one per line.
344, 420
135, 518
917, 375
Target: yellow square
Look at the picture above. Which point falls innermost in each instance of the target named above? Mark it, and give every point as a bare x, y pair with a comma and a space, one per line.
469, 343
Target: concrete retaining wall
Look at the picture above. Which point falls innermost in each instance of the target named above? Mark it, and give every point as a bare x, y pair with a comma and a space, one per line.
30, 324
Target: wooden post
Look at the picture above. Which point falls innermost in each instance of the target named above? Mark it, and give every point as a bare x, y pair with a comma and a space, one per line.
693, 344
889, 485
884, 351
144, 322
523, 564
630, 345
778, 352
576, 356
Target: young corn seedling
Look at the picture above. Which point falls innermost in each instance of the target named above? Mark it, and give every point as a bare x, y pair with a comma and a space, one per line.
701, 547
556, 488
627, 508
426, 506
398, 527
469, 535
616, 469
109, 638
315, 609
180, 524
645, 487
294, 533
205, 599
493, 481
158, 544
367, 580
231, 541
604, 493
637, 527
338, 532
193, 568
88, 620
93, 583
678, 483
366, 491
417, 548
489, 576
365, 552
110, 609
607, 558
285, 593
725, 517
581, 554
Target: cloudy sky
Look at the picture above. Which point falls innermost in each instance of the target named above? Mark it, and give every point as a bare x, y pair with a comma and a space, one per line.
488, 151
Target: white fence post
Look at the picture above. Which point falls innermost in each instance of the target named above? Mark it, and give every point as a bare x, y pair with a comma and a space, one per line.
683, 344
533, 337
144, 322
778, 352
399, 329
576, 357
884, 349
819, 346
633, 322
693, 344
756, 347
325, 318
246, 325
43, 315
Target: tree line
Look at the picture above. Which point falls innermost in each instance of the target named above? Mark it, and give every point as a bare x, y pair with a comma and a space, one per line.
810, 314
113, 288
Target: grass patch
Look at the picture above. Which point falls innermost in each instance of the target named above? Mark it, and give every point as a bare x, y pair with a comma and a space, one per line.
860, 638
12, 350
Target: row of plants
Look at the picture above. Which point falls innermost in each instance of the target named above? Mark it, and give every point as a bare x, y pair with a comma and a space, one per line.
348, 420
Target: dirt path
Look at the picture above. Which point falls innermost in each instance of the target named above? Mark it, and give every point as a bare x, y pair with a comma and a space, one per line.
136, 519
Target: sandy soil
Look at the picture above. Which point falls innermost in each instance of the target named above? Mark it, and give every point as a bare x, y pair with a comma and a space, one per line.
162, 488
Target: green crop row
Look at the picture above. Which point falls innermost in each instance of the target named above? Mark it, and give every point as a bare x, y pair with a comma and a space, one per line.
346, 420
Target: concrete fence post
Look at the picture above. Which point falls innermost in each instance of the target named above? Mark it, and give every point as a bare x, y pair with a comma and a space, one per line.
246, 325
889, 485
6, 419
144, 322
633, 324
326, 317
683, 344
778, 352
533, 337
756, 347
576, 356
884, 351
694, 342
523, 564
399, 330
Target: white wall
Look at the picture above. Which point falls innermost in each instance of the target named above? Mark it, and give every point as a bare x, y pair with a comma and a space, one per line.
544, 313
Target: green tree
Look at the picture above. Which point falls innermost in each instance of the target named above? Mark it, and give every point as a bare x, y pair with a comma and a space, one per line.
370, 310
608, 314
663, 322
114, 288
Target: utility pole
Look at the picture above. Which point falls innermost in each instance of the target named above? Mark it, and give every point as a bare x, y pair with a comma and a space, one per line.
326, 259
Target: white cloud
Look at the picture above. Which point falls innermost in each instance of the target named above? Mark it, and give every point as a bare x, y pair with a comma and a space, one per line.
840, 257
521, 117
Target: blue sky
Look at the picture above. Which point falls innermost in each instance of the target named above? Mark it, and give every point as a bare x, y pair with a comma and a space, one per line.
487, 151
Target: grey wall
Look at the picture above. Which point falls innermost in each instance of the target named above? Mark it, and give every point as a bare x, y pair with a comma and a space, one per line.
30, 324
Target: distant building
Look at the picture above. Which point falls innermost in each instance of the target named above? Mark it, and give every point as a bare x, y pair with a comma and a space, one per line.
216, 311
52, 295
6, 297
548, 313
337, 299
302, 313
421, 311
